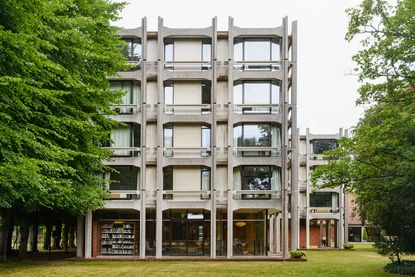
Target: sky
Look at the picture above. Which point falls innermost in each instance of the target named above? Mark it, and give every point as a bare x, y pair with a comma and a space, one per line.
327, 89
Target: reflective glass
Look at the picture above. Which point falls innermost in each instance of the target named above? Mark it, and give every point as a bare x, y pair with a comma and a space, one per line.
257, 50
256, 93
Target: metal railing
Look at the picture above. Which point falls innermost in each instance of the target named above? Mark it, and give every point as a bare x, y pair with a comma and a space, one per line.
187, 65
127, 108
124, 151
257, 151
256, 194
169, 194
187, 109
257, 65
186, 152
324, 210
256, 108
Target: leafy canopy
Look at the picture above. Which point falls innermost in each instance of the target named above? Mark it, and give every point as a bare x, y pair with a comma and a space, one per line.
377, 162
55, 56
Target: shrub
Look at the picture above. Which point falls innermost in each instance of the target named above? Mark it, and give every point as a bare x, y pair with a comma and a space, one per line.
297, 254
364, 234
405, 267
348, 246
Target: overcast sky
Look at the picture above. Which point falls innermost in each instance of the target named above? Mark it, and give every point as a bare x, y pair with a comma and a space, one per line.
326, 90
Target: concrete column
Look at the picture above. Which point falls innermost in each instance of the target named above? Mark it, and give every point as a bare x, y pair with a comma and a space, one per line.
88, 235
229, 252
328, 233
278, 233
342, 216
346, 217
271, 233
159, 225
307, 232
80, 237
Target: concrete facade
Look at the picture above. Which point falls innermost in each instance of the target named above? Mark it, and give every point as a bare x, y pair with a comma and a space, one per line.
174, 112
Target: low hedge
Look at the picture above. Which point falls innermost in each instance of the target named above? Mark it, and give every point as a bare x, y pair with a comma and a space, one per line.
348, 246
406, 267
297, 254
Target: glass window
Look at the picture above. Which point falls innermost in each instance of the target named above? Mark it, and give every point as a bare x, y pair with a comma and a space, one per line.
168, 94
256, 178
324, 199
257, 93
169, 52
259, 49
168, 137
205, 182
206, 93
168, 178
133, 49
206, 52
126, 178
205, 137
321, 145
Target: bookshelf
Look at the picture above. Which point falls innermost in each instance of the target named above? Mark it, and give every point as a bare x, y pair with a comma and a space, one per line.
118, 238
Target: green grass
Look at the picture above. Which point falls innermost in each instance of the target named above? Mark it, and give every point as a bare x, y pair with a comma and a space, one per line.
361, 262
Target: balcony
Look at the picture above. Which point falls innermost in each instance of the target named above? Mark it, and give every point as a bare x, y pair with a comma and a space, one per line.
257, 151
257, 65
123, 109
124, 151
187, 65
256, 109
324, 210
186, 152
187, 194
187, 109
256, 194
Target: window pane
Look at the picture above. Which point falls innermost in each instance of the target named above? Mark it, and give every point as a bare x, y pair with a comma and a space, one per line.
206, 52
125, 179
276, 51
168, 178
205, 93
237, 94
256, 178
205, 137
205, 179
321, 145
168, 95
275, 94
257, 50
168, 137
238, 48
136, 52
256, 135
257, 93
168, 52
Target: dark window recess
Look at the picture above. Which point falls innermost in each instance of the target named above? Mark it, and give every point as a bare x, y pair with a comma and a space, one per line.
126, 178
168, 181
322, 199
256, 178
321, 145
206, 92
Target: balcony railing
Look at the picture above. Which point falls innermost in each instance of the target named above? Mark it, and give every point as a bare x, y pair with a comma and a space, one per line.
256, 108
256, 194
324, 210
125, 151
186, 152
127, 108
187, 65
170, 194
124, 194
187, 109
257, 151
257, 65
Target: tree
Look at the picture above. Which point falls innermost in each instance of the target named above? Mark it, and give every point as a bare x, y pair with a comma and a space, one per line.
54, 60
377, 162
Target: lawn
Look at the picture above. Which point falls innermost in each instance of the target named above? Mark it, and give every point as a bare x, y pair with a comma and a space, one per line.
361, 262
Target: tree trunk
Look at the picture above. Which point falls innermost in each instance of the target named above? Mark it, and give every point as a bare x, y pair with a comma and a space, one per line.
24, 234
35, 238
57, 235
65, 236
5, 223
48, 233
71, 242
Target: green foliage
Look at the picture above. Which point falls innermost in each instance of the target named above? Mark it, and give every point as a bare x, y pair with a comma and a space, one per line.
364, 234
377, 162
54, 60
297, 254
405, 267
348, 246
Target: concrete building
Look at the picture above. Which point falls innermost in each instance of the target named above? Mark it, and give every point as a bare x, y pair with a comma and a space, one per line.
206, 163
322, 217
